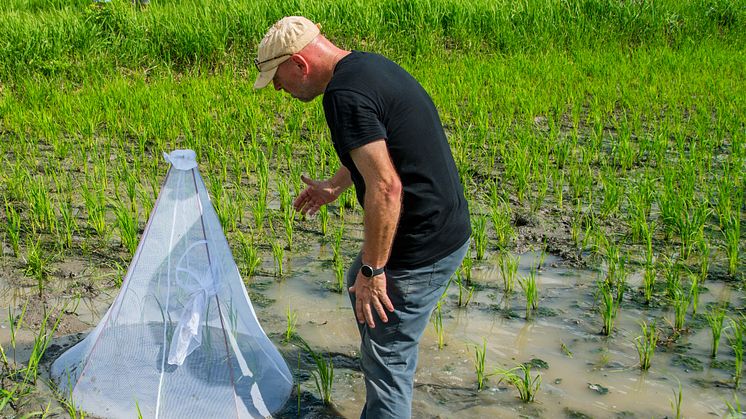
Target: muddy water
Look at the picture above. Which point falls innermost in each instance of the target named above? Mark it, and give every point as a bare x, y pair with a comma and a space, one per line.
446, 382
573, 382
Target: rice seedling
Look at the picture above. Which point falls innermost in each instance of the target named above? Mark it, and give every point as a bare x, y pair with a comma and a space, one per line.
43, 338
259, 210
704, 266
735, 339
324, 219
609, 307
127, 223
337, 243
501, 216
715, 318
13, 227
465, 291
339, 275
694, 292
526, 385
530, 291
438, 324
648, 282
288, 222
278, 254
37, 264
465, 268
42, 209
646, 343
680, 301
69, 223
678, 397
480, 354
95, 203
323, 374
248, 255
291, 324
732, 235
508, 271
734, 410
479, 235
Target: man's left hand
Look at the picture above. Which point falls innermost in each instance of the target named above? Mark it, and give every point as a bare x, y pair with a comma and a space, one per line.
370, 294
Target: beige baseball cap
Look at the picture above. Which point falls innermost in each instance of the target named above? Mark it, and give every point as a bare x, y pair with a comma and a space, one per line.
285, 38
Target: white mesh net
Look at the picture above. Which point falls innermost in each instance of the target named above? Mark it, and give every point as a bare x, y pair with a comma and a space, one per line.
181, 340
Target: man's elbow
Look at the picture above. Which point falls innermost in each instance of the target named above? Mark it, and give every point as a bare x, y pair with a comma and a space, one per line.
392, 189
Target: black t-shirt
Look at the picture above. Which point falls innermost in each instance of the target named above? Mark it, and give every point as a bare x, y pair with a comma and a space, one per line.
369, 98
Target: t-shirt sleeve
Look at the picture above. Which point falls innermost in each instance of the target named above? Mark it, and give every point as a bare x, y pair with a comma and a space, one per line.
353, 120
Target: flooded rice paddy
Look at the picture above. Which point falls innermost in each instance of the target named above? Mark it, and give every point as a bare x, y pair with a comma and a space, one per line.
583, 373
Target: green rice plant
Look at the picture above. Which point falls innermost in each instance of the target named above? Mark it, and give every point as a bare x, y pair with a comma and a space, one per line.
259, 210
324, 219
13, 227
438, 323
286, 199
680, 301
278, 254
37, 264
612, 194
127, 223
715, 318
291, 324
508, 270
479, 235
734, 410
671, 271
558, 183
676, 402
480, 354
735, 339
323, 374
14, 323
248, 254
146, 201
465, 268
465, 291
337, 243
732, 234
41, 342
42, 209
339, 274
69, 223
646, 343
704, 266
694, 292
531, 292
526, 385
95, 203
501, 216
609, 307
288, 222
648, 282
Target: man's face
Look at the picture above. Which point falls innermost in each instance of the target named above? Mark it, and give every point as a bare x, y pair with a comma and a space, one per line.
291, 77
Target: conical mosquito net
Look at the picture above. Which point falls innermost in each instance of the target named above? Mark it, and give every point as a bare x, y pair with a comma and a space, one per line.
181, 340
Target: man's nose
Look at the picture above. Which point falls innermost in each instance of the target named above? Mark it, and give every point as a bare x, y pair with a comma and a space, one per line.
276, 84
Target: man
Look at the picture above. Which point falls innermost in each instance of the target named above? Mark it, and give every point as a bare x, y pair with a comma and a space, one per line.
388, 136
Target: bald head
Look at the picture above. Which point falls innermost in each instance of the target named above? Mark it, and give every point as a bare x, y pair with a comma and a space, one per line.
306, 73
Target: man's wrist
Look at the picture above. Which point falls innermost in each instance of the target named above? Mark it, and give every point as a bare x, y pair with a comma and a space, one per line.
370, 271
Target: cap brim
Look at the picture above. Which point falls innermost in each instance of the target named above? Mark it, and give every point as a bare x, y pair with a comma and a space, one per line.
264, 78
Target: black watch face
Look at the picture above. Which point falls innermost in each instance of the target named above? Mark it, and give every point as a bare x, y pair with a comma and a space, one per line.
366, 271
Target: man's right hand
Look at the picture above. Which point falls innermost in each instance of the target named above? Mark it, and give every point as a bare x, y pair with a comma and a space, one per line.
316, 194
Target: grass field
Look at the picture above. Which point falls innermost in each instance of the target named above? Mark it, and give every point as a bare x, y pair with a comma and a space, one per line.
609, 133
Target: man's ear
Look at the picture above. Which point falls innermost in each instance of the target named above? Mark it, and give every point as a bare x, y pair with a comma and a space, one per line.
300, 62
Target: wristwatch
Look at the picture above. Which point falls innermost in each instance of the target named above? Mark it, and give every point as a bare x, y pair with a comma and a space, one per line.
369, 271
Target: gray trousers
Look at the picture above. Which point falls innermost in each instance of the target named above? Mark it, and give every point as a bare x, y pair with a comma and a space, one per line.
388, 352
